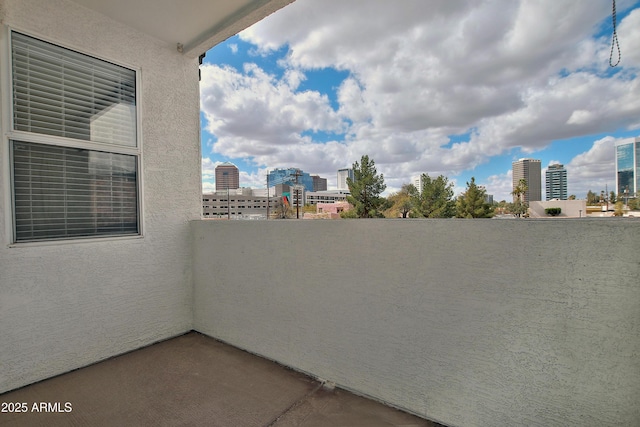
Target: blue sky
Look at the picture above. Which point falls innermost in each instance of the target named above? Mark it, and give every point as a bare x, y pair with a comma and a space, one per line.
442, 87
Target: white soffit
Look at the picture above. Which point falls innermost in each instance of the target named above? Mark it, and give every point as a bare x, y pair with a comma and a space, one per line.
196, 25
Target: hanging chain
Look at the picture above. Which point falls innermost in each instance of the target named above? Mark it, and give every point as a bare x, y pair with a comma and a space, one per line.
614, 41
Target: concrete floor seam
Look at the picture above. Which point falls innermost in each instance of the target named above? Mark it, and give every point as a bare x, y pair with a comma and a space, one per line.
294, 405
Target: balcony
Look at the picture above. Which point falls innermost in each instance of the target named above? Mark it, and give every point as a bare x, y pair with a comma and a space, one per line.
194, 380
462, 322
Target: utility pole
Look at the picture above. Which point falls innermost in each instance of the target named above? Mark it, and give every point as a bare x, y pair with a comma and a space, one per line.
267, 194
228, 211
297, 196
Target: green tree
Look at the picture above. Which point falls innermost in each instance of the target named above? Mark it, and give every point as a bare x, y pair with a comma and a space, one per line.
519, 205
502, 207
572, 197
612, 197
348, 214
365, 189
436, 198
592, 198
472, 203
402, 202
618, 209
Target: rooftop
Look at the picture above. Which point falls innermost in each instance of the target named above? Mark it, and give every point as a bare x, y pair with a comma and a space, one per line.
196, 380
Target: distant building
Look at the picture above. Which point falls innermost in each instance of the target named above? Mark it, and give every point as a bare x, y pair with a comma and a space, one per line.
293, 194
417, 182
628, 167
241, 203
328, 210
488, 198
556, 182
227, 176
528, 169
569, 208
292, 177
319, 184
343, 174
315, 197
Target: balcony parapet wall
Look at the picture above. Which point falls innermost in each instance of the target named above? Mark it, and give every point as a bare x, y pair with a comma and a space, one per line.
465, 322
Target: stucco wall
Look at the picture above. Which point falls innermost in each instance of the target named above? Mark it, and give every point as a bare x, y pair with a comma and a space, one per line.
63, 306
570, 208
467, 322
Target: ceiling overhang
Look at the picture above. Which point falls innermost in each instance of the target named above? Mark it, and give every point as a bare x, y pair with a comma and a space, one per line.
193, 26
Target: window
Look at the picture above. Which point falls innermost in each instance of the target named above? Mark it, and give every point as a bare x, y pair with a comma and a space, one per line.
75, 156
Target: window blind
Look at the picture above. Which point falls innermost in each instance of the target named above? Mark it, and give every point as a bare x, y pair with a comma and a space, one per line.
67, 190
62, 192
60, 92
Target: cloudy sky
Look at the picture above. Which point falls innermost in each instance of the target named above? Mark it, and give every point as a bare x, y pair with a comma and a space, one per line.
452, 87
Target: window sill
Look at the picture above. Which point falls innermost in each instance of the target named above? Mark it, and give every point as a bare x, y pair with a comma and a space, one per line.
74, 241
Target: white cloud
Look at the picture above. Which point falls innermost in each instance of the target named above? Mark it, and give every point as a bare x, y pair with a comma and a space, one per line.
500, 186
208, 168
253, 112
208, 187
515, 74
629, 37
593, 170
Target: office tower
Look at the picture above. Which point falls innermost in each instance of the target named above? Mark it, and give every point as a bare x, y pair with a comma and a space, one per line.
488, 198
528, 169
556, 182
291, 177
628, 167
319, 184
227, 176
343, 174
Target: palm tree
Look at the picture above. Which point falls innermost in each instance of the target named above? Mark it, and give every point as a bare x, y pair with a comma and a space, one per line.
519, 191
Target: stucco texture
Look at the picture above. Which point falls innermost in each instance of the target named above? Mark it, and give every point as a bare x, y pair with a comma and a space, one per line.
464, 322
66, 305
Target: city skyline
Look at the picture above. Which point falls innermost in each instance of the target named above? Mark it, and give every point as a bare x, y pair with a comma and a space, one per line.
455, 89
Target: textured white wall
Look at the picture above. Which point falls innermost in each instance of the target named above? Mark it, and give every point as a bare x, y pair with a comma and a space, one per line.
570, 208
67, 305
468, 322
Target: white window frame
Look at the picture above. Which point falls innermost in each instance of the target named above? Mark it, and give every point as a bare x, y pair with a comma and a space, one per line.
10, 134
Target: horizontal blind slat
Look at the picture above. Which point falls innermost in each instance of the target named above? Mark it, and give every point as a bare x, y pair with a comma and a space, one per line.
64, 93
62, 192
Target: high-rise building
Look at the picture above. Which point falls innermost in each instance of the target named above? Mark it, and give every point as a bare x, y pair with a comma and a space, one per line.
343, 174
227, 177
628, 167
319, 184
417, 182
556, 182
292, 177
529, 170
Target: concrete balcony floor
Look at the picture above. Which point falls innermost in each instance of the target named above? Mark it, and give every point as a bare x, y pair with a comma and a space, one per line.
194, 380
